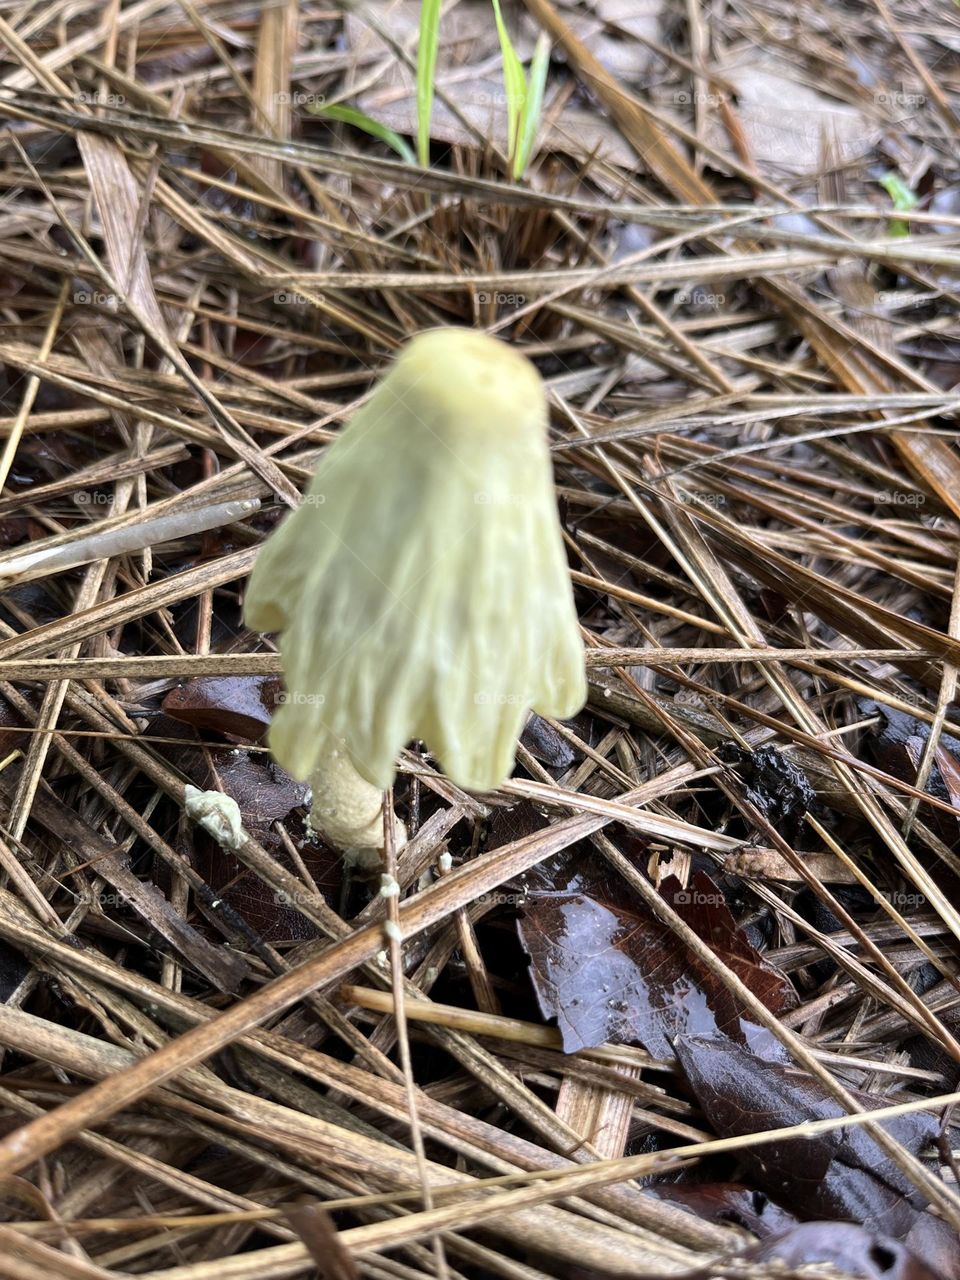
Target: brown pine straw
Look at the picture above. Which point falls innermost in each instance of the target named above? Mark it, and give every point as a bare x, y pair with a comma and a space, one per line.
759, 497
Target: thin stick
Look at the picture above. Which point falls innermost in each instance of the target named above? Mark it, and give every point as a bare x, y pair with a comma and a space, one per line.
390, 890
33, 386
117, 542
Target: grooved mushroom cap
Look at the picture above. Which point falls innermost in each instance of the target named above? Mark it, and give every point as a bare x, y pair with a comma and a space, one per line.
422, 590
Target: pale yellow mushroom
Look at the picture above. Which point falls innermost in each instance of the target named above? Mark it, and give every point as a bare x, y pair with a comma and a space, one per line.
421, 590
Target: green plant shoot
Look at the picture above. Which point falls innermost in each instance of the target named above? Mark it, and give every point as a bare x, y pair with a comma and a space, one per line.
515, 86
426, 75
360, 120
532, 106
524, 96
903, 201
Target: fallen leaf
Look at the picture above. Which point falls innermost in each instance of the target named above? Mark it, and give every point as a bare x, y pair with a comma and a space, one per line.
266, 795
833, 1248
239, 706
468, 41
897, 745
786, 123
853, 1250
607, 970
842, 1174
726, 1202
545, 744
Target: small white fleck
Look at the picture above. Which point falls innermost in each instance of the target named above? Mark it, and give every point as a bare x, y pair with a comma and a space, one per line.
392, 931
445, 863
216, 813
389, 887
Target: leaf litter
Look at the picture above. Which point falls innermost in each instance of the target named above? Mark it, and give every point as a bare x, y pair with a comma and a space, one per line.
719, 902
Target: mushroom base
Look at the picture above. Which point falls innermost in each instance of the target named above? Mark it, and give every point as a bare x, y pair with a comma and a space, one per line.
347, 811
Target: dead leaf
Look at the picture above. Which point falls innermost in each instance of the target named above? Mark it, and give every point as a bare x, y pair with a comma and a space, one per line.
468, 40
729, 1202
897, 745
607, 970
315, 1228
842, 1174
238, 706
786, 123
829, 1248
266, 796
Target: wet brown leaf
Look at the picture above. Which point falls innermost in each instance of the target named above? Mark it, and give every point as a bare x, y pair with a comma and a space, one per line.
727, 1202
897, 745
851, 1249
844, 1248
842, 1174
607, 970
239, 706
266, 795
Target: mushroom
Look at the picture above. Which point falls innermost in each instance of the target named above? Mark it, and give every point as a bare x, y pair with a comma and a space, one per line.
421, 590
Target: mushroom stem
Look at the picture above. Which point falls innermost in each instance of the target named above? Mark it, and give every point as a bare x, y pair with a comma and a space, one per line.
347, 810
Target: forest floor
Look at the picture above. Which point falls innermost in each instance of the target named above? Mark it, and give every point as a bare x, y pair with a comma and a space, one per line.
722, 900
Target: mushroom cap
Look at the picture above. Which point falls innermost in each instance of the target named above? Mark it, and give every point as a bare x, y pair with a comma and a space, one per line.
422, 590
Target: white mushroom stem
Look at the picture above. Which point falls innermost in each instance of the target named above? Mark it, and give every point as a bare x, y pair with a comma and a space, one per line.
347, 811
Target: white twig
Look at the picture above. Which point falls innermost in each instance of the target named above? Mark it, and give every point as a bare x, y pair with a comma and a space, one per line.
116, 542
390, 891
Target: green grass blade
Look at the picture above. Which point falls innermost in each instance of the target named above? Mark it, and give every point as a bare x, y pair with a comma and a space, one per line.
903, 201
532, 106
360, 120
514, 83
426, 75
